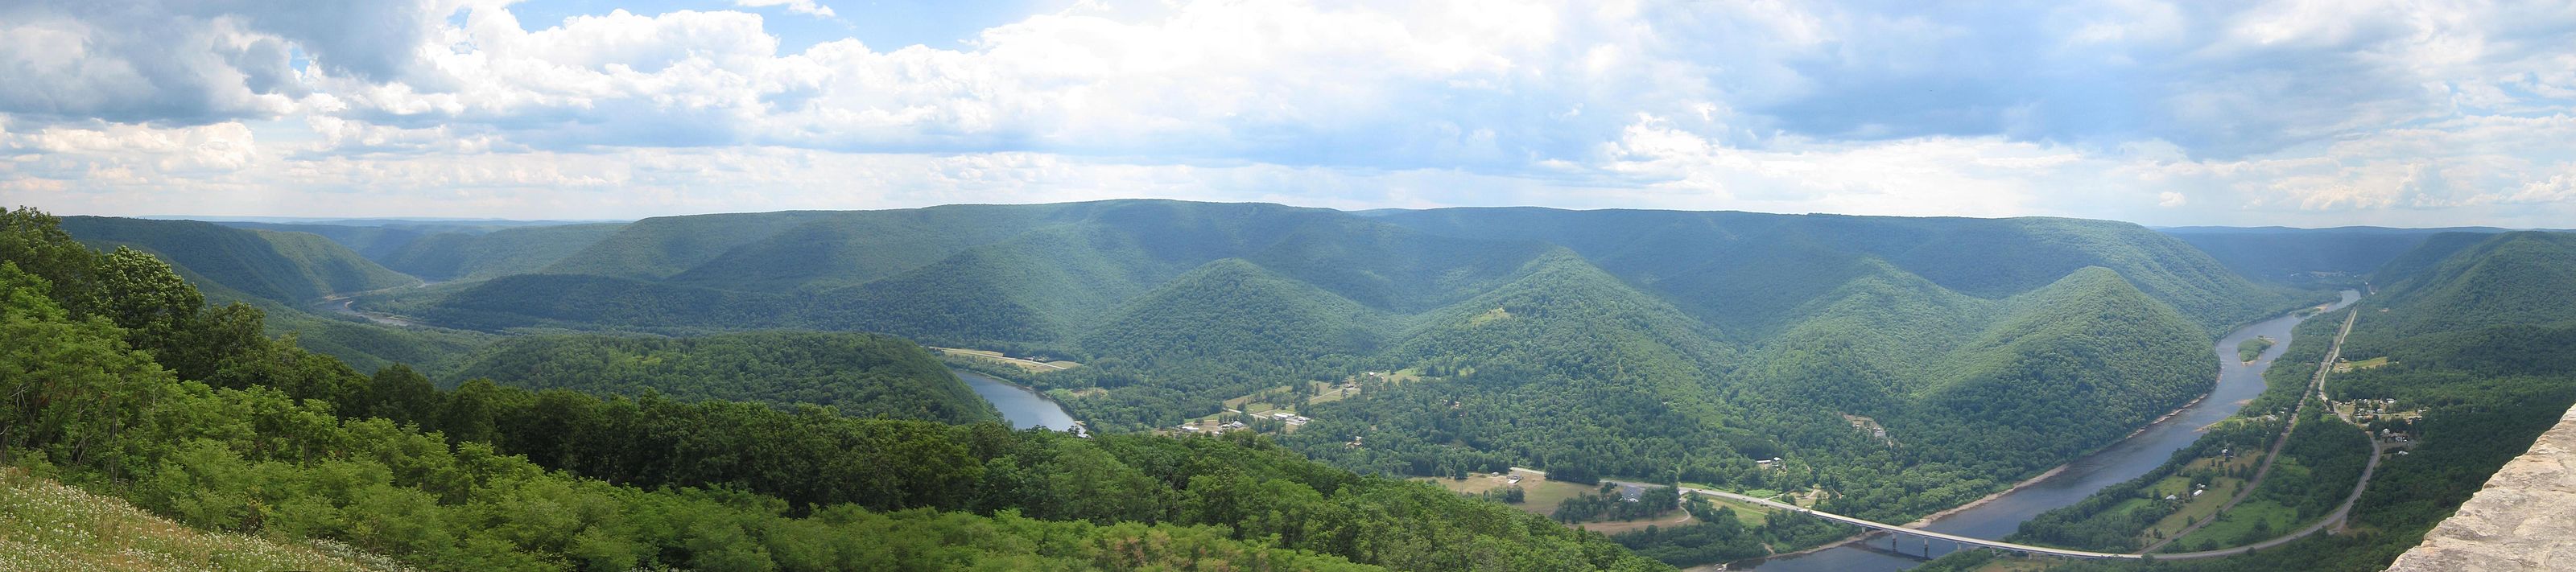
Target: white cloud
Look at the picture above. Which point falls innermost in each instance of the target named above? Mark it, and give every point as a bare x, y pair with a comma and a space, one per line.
807, 7
2431, 112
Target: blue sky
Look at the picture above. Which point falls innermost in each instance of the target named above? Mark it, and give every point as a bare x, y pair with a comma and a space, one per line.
2301, 113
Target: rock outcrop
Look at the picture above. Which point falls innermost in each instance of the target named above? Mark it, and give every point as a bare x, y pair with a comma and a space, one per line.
2525, 518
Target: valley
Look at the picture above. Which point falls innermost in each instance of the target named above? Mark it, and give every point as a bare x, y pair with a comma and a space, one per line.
1857, 359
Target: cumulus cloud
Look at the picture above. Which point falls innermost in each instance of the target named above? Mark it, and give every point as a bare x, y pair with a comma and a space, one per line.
2160, 111
807, 7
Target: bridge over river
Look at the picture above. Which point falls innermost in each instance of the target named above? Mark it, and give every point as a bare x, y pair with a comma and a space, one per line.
1926, 535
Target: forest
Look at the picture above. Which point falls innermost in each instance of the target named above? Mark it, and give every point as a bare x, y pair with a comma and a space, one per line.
859, 375
1568, 340
121, 381
2477, 341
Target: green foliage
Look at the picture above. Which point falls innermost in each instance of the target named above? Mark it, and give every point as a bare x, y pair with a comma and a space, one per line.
285, 267
2476, 342
1621, 343
481, 255
2099, 522
1715, 537
2252, 348
861, 375
1611, 502
287, 444
2306, 258
2510, 279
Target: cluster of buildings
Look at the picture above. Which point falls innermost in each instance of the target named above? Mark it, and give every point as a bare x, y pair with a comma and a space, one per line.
1229, 426
2196, 490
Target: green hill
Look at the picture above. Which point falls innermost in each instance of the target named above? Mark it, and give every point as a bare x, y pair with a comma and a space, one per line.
285, 267
1691, 341
1233, 307
1747, 272
2336, 257
291, 447
2473, 354
861, 375
1629, 343
2073, 367
481, 255
373, 242
2519, 278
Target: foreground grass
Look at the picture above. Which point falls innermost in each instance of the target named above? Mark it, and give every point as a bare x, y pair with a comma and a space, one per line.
47, 526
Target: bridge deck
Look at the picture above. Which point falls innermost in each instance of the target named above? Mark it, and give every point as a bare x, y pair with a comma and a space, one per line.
1972, 541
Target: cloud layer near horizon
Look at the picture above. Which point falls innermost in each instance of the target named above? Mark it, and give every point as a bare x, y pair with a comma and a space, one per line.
2296, 112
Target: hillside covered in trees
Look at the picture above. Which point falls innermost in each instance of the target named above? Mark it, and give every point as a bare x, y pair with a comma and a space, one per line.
120, 381
1645, 344
861, 375
2321, 257
2477, 335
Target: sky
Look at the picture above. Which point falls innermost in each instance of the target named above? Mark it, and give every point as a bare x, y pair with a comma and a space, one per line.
2307, 113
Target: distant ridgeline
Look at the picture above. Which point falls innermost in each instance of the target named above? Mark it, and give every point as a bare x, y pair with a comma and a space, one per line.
1646, 344
2327, 257
2478, 333
118, 379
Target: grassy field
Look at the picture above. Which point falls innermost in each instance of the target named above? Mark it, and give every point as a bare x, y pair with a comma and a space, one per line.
1279, 398
1541, 497
999, 358
47, 526
2200, 508
2231, 528
1745, 512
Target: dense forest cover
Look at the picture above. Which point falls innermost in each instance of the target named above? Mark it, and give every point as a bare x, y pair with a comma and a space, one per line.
2253, 347
861, 375
280, 270
286, 267
120, 381
1717, 535
2310, 258
478, 255
443, 251
1646, 344
2478, 339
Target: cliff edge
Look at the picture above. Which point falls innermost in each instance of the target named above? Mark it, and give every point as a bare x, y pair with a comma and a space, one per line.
2525, 518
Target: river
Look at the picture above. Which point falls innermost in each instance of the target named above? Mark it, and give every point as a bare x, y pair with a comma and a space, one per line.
2238, 382
1020, 407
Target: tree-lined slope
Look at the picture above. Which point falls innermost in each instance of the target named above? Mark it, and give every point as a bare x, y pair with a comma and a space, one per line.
2476, 341
1636, 343
860, 375
286, 267
277, 442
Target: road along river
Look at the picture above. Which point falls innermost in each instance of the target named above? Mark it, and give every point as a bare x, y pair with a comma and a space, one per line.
1998, 516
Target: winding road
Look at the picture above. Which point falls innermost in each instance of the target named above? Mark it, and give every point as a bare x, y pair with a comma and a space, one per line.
2316, 387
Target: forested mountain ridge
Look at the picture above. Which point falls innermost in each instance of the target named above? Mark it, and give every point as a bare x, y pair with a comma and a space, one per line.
459, 251
1692, 330
1705, 258
2320, 257
2470, 351
1632, 343
118, 381
2519, 278
861, 375
285, 267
